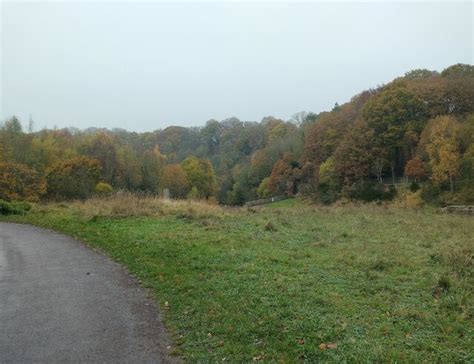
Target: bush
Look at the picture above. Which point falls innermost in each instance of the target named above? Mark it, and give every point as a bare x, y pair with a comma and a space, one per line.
263, 191
103, 188
20, 207
430, 193
6, 208
14, 208
193, 194
369, 192
327, 195
464, 195
414, 186
409, 200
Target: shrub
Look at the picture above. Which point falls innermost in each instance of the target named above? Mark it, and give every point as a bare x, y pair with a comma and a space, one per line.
12, 208
20, 207
414, 186
408, 199
6, 208
463, 196
430, 193
327, 195
193, 194
413, 200
103, 188
370, 192
263, 191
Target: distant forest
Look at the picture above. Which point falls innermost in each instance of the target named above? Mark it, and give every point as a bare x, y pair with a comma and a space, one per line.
417, 130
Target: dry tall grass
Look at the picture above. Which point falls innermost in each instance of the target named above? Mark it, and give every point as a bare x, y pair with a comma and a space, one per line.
127, 204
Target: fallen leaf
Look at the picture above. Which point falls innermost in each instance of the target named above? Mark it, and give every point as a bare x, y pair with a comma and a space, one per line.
324, 346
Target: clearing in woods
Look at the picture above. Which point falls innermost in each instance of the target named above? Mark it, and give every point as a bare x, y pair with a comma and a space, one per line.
289, 281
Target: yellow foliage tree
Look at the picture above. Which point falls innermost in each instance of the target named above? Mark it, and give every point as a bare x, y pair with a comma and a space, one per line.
75, 178
174, 178
200, 174
443, 151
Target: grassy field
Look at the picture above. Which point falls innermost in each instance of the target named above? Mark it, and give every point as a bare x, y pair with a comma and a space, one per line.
292, 282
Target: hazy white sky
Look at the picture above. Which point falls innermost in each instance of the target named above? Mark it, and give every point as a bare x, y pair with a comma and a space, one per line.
144, 66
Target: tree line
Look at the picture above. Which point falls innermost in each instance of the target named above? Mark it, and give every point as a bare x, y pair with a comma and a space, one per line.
417, 128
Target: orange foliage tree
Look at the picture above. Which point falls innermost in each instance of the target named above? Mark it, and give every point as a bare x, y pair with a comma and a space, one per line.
284, 177
19, 182
415, 169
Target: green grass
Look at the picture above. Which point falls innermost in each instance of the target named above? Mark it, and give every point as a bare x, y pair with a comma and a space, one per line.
383, 284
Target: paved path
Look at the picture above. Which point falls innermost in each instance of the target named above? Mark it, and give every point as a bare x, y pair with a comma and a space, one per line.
63, 302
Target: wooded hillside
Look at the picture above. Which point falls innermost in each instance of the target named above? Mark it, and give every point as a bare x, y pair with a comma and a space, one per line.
418, 128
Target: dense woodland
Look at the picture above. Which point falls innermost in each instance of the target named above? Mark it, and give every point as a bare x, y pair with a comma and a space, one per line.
417, 129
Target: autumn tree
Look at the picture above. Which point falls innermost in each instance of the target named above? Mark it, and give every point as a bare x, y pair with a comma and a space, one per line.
432, 91
275, 129
211, 135
49, 147
281, 175
329, 182
130, 168
323, 137
354, 156
200, 175
16, 145
19, 182
467, 165
242, 189
261, 164
392, 113
152, 165
415, 169
73, 178
442, 149
102, 147
174, 178
284, 176
328, 174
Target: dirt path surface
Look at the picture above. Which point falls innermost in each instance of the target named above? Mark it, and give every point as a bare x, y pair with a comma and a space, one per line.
62, 302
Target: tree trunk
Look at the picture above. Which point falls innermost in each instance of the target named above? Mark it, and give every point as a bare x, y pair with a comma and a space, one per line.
393, 174
451, 182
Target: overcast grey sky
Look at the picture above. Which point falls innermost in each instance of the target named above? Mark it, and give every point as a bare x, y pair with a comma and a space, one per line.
144, 66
